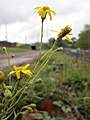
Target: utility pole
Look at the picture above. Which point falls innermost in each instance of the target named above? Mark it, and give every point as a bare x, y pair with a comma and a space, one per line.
6, 33
26, 39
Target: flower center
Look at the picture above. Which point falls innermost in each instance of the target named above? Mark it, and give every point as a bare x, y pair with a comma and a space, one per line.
20, 68
46, 8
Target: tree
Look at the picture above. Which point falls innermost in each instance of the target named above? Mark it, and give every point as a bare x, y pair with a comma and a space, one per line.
51, 41
84, 38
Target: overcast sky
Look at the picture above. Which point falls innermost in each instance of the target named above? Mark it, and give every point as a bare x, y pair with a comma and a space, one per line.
18, 20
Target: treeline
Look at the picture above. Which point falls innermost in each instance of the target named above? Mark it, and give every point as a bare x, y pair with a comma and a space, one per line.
7, 44
84, 38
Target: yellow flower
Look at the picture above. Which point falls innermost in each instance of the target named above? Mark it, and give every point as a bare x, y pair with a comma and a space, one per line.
43, 11
21, 69
1, 75
64, 32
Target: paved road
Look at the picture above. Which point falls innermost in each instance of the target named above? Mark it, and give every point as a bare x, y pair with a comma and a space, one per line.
20, 58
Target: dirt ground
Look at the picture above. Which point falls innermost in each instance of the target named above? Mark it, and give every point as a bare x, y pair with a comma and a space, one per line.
18, 59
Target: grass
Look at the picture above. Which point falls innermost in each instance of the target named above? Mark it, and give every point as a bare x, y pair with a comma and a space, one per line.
12, 50
67, 78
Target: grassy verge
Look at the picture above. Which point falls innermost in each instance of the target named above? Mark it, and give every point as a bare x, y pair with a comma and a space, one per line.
66, 81
13, 50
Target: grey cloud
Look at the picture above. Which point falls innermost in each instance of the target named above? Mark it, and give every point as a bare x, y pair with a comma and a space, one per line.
14, 10
73, 6
74, 12
20, 10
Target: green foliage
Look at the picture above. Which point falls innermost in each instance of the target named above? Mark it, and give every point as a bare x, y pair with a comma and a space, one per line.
45, 46
51, 41
45, 116
13, 50
69, 82
26, 46
63, 78
84, 38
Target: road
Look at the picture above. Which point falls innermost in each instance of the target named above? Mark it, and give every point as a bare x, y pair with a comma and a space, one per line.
18, 59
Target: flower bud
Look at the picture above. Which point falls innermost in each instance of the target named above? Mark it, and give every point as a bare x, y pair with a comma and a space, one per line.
12, 55
5, 87
7, 94
4, 48
1, 76
64, 32
33, 105
67, 30
60, 49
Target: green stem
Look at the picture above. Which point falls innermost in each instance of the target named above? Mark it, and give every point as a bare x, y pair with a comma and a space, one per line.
22, 90
6, 51
41, 36
46, 54
13, 105
43, 64
8, 59
37, 64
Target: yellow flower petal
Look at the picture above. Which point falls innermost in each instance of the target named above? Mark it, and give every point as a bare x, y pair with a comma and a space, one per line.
54, 31
11, 73
37, 8
44, 14
68, 28
26, 66
69, 40
46, 8
1, 75
49, 13
70, 34
15, 68
27, 72
54, 13
18, 74
40, 11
